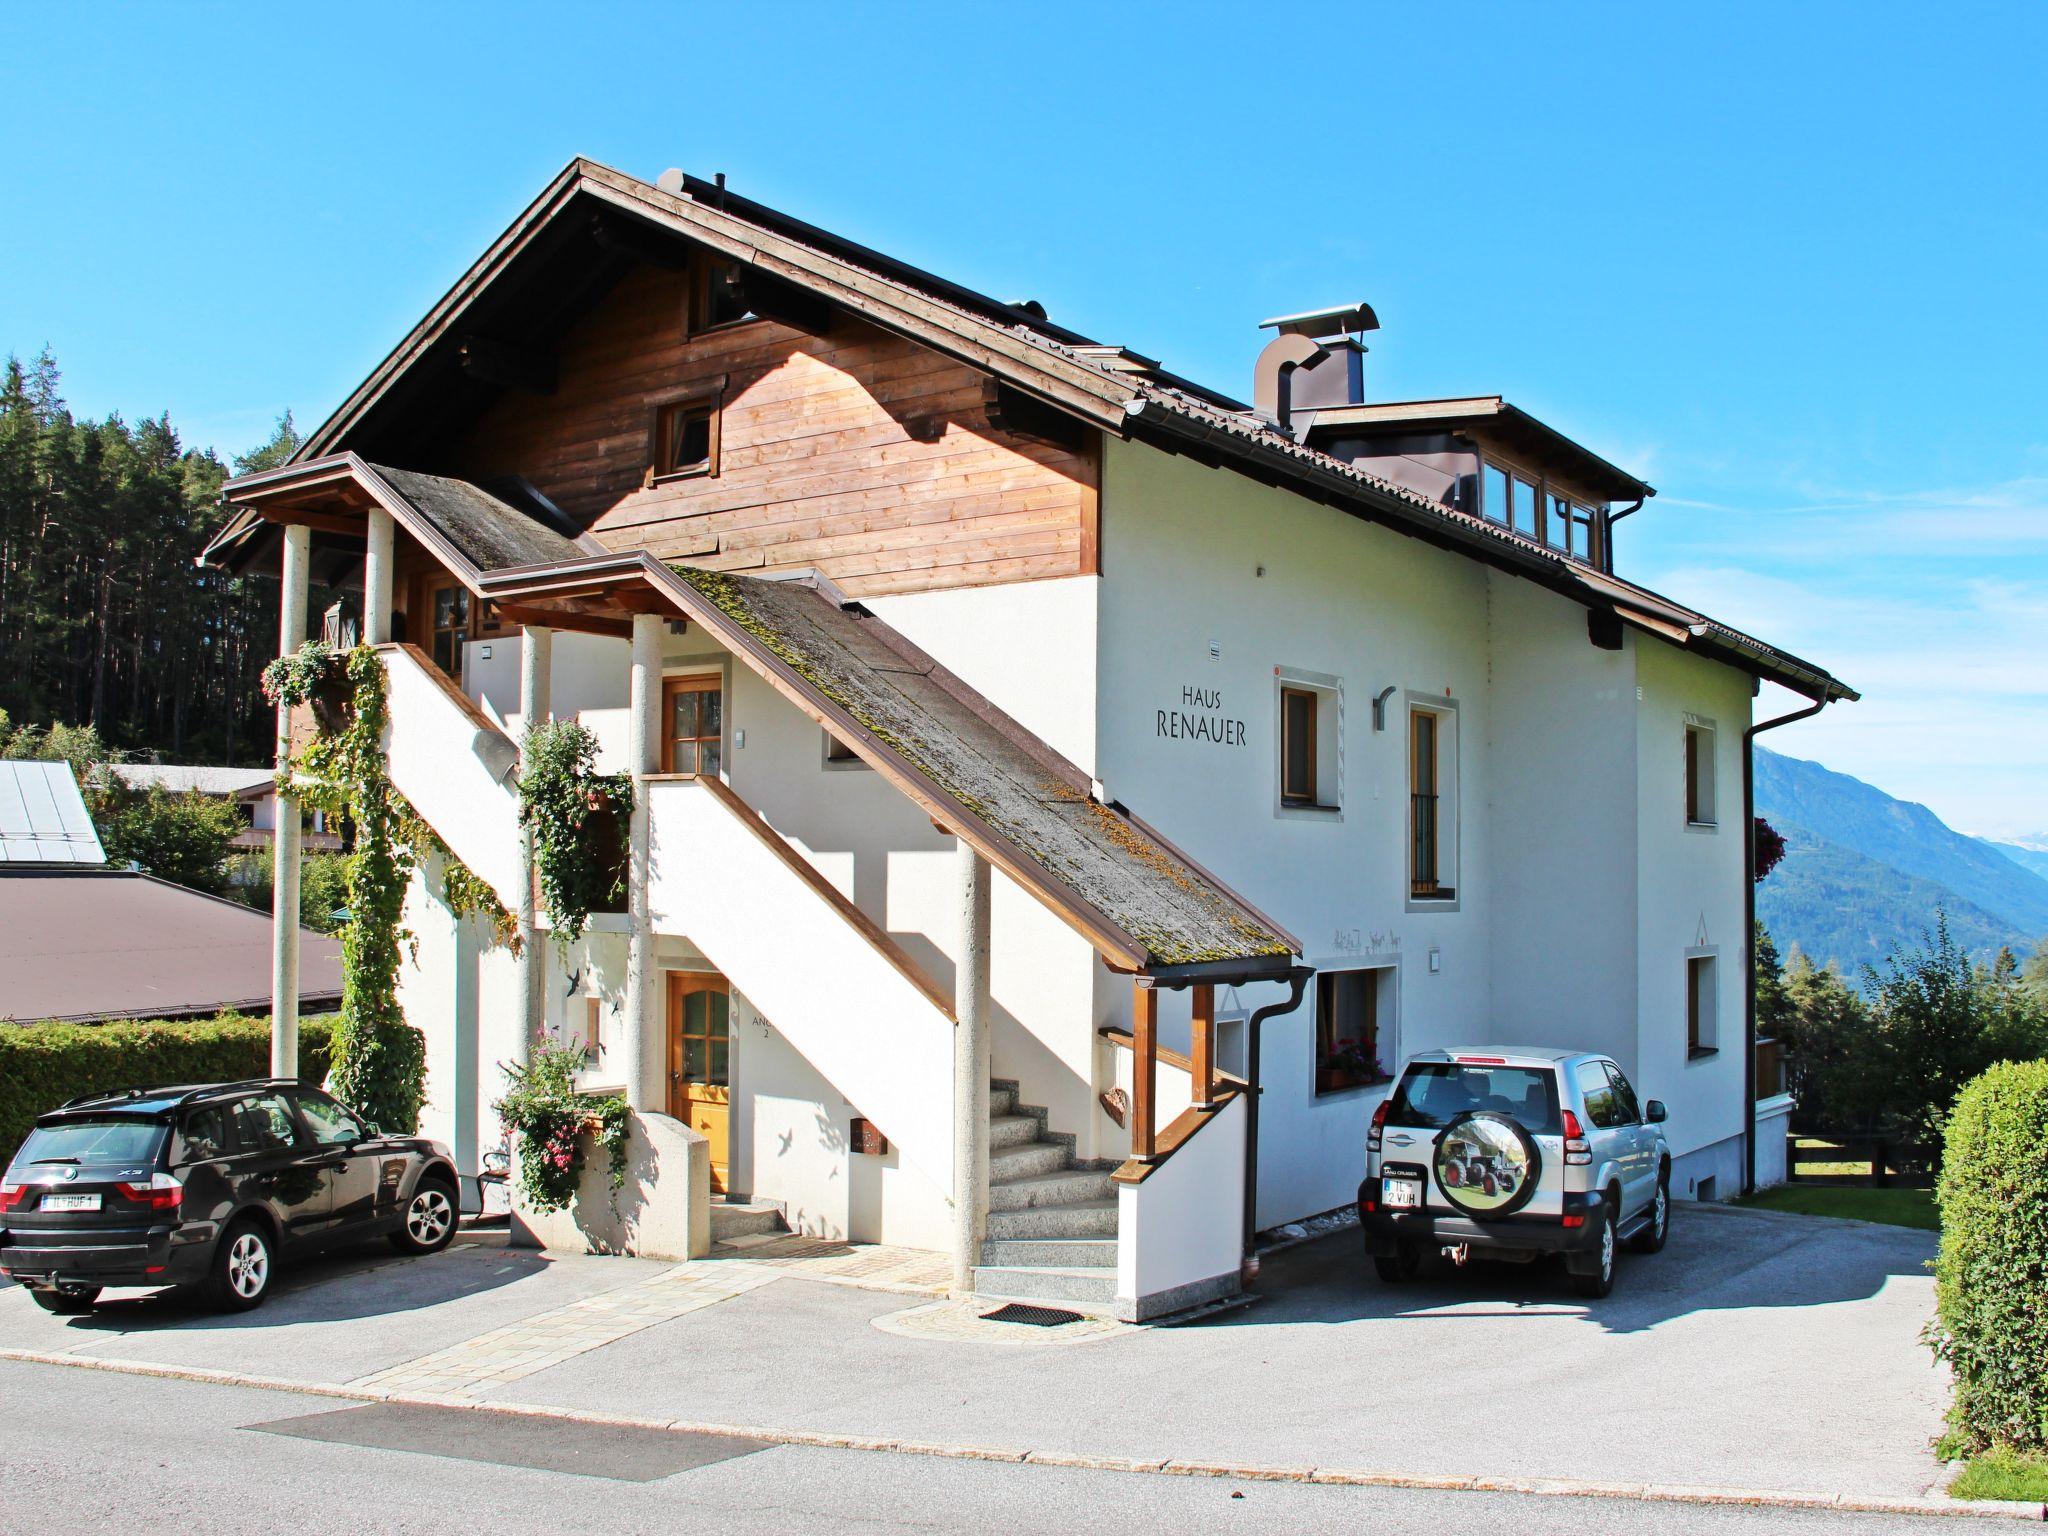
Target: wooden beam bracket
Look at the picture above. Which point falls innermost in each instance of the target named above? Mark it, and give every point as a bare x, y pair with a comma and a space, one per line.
1011, 410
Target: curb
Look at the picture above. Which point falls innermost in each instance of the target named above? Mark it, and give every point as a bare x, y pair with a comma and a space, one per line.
1548, 1487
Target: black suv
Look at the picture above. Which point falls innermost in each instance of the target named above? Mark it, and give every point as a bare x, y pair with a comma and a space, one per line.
207, 1187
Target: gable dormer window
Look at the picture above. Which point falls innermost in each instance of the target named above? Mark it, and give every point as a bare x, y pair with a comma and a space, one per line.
718, 295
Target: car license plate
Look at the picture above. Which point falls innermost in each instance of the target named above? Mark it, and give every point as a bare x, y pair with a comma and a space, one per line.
70, 1203
1401, 1194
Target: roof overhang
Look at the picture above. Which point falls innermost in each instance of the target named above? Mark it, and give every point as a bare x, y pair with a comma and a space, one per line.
1052, 365
639, 583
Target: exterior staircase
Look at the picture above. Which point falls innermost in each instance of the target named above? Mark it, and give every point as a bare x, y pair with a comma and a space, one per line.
745, 1218
1051, 1223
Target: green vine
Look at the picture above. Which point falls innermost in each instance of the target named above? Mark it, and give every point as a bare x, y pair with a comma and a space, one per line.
293, 680
379, 1062
578, 820
551, 1120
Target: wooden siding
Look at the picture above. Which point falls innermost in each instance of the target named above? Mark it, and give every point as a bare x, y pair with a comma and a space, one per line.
857, 453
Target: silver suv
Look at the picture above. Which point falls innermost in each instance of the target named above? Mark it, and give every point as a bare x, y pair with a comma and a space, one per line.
1513, 1154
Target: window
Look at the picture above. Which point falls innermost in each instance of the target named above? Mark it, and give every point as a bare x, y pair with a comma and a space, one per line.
1631, 1111
1524, 507
205, 1135
1495, 502
1603, 1104
1427, 808
1434, 1093
685, 439
448, 615
1699, 1005
1557, 527
1538, 509
1311, 735
1347, 1030
593, 1030
1297, 747
92, 1141
1699, 774
694, 725
331, 1125
839, 755
264, 1124
719, 295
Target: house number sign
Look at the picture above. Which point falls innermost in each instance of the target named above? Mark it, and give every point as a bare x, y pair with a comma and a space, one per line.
1200, 717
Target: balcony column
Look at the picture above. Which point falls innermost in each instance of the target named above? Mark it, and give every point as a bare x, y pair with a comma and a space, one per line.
377, 583
536, 661
971, 1066
645, 1046
284, 920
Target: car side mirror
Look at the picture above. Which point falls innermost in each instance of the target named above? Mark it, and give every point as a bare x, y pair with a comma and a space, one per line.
1654, 1112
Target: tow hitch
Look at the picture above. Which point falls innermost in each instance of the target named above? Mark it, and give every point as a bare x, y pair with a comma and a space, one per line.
1457, 1253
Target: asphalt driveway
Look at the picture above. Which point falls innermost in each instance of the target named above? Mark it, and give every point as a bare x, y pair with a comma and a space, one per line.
1759, 1350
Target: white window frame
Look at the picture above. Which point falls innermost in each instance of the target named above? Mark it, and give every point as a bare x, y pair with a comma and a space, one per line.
1329, 697
1709, 790
1449, 843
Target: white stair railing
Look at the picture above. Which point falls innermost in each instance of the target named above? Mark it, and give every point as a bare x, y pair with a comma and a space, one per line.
816, 967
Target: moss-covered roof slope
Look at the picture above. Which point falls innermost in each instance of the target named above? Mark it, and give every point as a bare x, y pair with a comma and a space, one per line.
989, 779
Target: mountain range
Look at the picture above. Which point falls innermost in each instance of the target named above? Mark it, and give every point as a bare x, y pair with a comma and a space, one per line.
1864, 871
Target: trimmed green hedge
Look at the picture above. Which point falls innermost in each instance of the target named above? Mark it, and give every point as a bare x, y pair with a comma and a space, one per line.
1991, 1280
42, 1065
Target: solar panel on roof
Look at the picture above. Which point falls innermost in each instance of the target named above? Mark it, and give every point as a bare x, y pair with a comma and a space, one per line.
43, 819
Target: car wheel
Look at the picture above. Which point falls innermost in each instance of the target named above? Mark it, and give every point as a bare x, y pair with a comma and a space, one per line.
1400, 1266
66, 1303
243, 1262
1601, 1280
1651, 1238
430, 1219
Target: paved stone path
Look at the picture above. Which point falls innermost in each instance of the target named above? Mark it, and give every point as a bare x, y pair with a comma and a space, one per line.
870, 1266
535, 1344
548, 1338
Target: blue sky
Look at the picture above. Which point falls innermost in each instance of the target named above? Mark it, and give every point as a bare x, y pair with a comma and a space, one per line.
1784, 261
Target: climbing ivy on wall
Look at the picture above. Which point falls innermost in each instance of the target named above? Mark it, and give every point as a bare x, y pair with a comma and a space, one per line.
379, 1062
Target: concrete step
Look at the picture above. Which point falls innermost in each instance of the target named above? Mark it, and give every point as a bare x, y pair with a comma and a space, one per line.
1069, 1222
1066, 1186
1045, 1283
1055, 1253
1001, 1100
1012, 1130
733, 1218
1021, 1162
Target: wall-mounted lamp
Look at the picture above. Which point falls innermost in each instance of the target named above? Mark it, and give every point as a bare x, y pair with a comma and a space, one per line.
1379, 708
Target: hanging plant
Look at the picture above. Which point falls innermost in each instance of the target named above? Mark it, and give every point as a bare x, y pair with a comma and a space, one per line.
316, 674
552, 1120
578, 818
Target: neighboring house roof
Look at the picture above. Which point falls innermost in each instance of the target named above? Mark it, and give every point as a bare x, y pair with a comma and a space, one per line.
186, 778
91, 945
43, 819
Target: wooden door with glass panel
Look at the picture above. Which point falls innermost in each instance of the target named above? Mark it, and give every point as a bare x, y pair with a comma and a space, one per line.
700, 1061
447, 614
692, 725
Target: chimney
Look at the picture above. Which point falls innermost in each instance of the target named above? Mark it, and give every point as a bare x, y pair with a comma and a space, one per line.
1314, 361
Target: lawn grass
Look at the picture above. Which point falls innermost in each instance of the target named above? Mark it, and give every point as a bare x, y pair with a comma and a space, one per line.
2002, 1475
1892, 1207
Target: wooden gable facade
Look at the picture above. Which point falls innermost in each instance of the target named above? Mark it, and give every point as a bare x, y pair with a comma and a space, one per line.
850, 451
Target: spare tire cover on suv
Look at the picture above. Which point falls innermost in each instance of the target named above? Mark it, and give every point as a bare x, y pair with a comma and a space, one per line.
1486, 1164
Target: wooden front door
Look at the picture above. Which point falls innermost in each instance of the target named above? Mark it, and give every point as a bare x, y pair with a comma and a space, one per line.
693, 725
700, 1062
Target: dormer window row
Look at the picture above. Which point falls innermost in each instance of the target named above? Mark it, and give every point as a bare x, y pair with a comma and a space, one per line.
1539, 510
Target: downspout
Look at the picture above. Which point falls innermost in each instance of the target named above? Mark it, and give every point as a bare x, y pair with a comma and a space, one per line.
1607, 533
1749, 912
1297, 979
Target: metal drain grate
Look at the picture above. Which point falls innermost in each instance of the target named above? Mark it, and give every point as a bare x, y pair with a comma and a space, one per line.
1035, 1317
